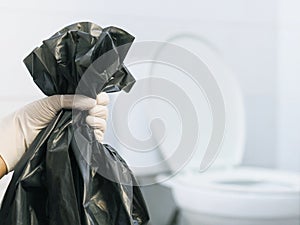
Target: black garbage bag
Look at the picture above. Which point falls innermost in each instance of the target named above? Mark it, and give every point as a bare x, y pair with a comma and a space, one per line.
66, 177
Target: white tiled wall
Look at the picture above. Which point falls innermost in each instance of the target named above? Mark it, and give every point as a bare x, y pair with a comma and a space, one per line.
244, 32
289, 80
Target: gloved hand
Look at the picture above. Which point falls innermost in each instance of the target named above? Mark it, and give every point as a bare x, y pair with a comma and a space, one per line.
18, 130
98, 115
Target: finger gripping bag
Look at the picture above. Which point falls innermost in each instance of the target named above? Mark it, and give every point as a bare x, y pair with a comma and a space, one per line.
66, 177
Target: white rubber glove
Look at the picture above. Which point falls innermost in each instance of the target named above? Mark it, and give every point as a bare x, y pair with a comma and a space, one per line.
18, 130
98, 115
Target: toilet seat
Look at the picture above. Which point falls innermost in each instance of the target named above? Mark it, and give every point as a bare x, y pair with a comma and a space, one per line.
243, 179
239, 193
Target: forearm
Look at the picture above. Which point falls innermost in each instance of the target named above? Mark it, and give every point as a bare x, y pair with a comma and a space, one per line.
3, 168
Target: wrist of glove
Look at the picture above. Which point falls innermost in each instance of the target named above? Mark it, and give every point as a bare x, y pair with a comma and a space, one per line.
18, 130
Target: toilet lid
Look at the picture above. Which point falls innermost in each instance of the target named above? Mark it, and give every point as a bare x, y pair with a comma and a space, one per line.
232, 148
156, 121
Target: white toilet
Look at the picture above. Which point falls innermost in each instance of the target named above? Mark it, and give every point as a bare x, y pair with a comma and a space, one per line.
228, 193
237, 196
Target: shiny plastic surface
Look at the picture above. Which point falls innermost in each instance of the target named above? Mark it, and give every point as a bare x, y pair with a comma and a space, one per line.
66, 176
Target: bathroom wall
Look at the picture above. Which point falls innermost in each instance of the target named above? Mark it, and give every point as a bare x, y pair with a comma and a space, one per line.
244, 32
288, 85
258, 39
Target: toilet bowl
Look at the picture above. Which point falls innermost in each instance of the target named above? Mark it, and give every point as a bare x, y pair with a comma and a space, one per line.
237, 196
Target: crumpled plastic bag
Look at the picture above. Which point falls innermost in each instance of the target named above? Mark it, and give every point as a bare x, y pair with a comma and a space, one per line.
66, 177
